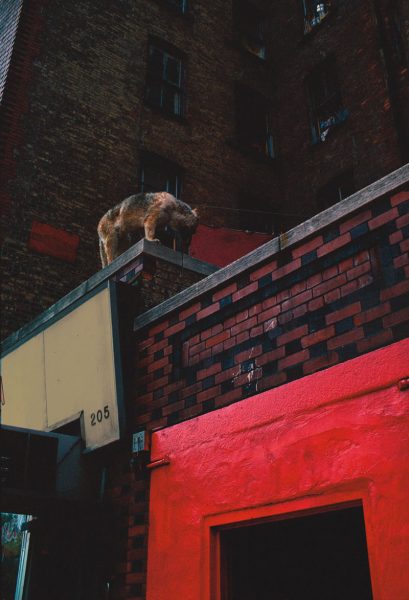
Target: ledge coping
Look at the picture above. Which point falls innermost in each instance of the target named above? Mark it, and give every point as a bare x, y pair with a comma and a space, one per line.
98, 280
345, 208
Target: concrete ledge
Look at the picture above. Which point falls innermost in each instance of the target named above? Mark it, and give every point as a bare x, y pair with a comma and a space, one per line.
388, 184
99, 280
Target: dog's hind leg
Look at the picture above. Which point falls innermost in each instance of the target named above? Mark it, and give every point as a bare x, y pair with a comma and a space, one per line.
112, 245
102, 253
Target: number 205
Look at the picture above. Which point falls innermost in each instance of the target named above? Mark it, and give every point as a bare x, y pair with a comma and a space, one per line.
99, 416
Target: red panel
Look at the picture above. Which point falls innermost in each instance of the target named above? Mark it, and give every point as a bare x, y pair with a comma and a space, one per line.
221, 246
333, 437
58, 243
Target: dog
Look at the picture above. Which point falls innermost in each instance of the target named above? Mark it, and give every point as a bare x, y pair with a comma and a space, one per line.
144, 215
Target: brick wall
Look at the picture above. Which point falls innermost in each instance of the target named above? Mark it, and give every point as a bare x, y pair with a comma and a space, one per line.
8, 27
331, 290
337, 295
82, 125
76, 123
363, 143
158, 274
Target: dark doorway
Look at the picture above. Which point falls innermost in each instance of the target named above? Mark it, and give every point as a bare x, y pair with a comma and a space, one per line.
316, 557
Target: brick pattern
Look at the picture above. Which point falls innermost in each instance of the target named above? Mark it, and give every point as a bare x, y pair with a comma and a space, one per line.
340, 294
156, 280
75, 123
128, 494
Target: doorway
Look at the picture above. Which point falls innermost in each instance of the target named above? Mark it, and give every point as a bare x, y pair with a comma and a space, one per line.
312, 557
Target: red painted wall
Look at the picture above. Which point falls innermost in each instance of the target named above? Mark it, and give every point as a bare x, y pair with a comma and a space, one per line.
51, 241
336, 436
221, 246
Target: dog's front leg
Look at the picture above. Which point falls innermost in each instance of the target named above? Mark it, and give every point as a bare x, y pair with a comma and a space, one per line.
150, 228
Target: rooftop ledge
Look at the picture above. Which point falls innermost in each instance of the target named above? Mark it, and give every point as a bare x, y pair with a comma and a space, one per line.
345, 208
99, 280
214, 277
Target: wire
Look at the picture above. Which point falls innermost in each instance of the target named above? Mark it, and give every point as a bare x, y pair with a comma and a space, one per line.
250, 210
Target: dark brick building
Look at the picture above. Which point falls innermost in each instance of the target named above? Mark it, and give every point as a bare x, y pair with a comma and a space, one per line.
261, 115
273, 391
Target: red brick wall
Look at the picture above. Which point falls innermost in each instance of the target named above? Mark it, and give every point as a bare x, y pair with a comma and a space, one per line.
341, 293
76, 122
337, 294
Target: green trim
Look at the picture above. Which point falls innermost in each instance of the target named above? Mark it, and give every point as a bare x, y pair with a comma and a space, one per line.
119, 382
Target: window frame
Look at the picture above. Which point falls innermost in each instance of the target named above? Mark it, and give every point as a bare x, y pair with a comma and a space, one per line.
312, 16
245, 33
324, 75
247, 140
252, 211
153, 78
341, 181
164, 166
180, 6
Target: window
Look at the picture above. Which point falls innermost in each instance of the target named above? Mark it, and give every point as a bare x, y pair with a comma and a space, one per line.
397, 36
179, 5
254, 214
326, 108
15, 538
254, 122
158, 174
314, 12
313, 557
336, 189
165, 79
250, 24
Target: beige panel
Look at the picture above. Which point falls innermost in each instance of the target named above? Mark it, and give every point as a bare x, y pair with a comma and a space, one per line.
24, 386
80, 373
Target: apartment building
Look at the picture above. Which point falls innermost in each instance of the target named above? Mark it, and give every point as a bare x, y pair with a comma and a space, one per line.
260, 114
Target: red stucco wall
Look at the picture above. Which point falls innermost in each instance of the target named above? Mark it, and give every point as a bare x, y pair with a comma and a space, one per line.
333, 437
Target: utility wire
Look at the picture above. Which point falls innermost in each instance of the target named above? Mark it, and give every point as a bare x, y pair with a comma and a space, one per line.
251, 210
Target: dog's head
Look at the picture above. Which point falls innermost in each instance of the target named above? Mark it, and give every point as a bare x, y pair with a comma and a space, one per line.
188, 229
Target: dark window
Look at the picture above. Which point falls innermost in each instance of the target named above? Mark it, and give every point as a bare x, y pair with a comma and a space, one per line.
158, 174
326, 107
397, 36
254, 214
254, 122
165, 81
179, 5
335, 190
314, 12
250, 25
316, 557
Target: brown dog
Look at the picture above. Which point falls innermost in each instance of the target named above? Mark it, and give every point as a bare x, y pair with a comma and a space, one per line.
142, 215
